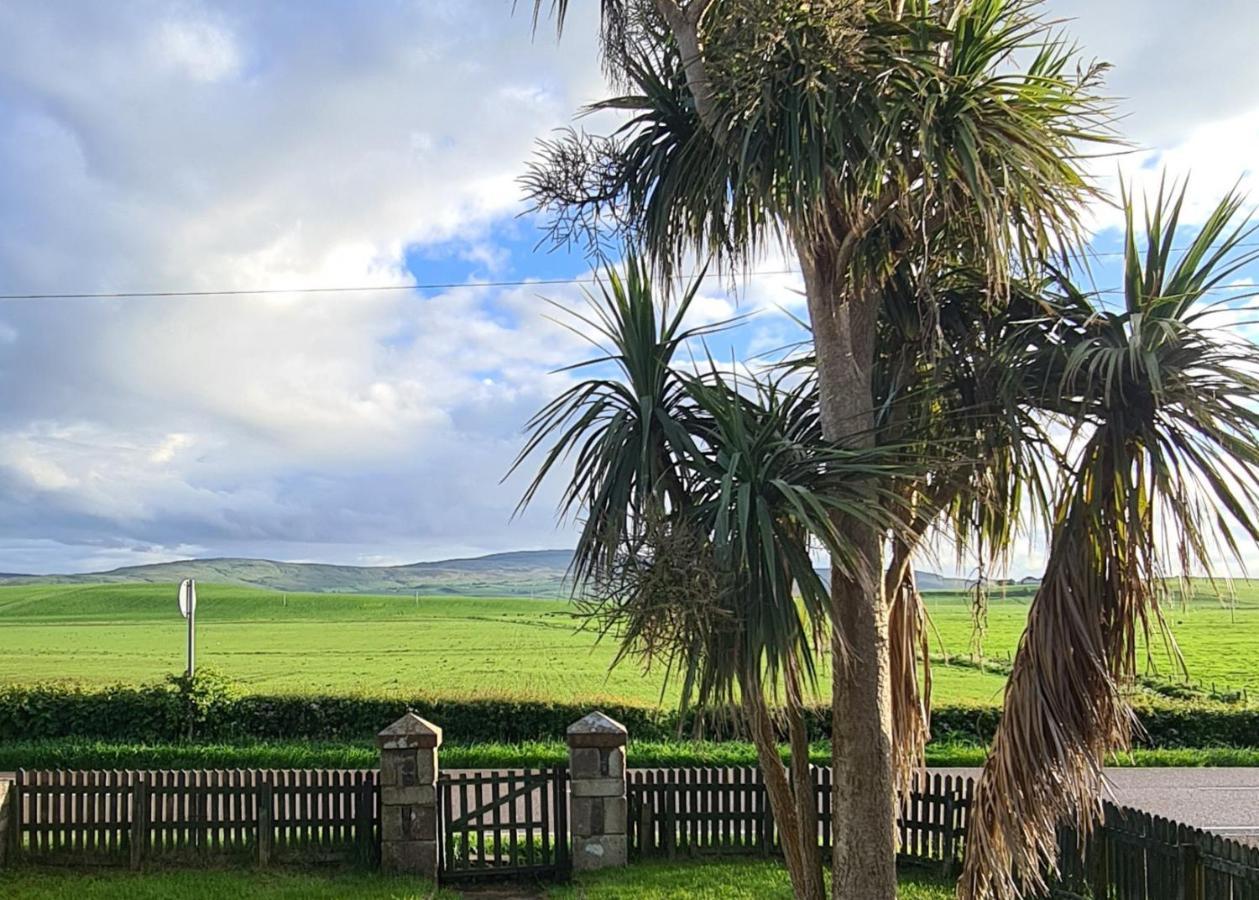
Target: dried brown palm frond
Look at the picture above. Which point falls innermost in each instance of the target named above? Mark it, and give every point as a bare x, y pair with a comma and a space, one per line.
1167, 477
1064, 704
945, 393
909, 649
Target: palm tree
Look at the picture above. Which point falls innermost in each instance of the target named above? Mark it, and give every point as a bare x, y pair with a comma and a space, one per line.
619, 428
867, 136
702, 498
943, 394
1164, 475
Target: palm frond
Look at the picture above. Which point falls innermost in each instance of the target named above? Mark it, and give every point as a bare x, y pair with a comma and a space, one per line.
844, 124
617, 432
733, 473
1165, 481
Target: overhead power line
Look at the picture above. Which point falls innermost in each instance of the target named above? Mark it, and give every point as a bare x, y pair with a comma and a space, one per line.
422, 286
242, 292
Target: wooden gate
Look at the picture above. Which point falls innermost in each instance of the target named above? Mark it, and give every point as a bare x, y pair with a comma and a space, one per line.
508, 824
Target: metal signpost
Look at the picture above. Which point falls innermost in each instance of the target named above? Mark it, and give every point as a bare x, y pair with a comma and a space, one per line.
188, 609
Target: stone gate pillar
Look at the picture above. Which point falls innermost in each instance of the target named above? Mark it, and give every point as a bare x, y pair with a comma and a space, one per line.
597, 807
408, 796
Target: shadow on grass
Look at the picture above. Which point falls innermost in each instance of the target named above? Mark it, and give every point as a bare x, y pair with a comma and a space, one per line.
742, 879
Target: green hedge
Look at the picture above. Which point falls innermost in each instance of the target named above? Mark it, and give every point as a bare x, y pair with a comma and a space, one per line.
1163, 725
76, 753
209, 709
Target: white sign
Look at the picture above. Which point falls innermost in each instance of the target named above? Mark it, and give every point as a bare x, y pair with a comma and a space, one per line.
187, 597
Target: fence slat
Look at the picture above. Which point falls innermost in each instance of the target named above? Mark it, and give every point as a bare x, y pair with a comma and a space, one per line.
139, 821
264, 823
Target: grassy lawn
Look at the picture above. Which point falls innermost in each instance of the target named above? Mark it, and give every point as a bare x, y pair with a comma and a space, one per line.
725, 880
460, 646
37, 884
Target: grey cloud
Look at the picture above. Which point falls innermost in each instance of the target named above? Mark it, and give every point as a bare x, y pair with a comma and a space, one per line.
1176, 65
161, 143
168, 144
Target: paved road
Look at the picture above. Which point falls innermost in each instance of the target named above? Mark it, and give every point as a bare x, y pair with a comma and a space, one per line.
1225, 801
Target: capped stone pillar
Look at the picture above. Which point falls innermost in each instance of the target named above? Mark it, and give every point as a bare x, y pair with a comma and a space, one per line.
408, 796
597, 816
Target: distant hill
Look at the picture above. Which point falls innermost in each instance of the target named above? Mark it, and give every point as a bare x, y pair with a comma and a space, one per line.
518, 573
927, 581
934, 581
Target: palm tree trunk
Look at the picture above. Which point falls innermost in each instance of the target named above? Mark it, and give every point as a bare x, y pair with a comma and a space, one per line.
802, 781
864, 794
800, 852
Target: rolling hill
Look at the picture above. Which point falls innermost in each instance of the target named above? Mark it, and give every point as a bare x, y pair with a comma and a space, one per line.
518, 573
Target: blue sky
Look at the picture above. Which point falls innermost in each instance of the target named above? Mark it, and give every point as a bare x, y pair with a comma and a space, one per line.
176, 144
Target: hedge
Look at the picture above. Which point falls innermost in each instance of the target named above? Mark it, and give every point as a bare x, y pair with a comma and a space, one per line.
209, 709
77, 753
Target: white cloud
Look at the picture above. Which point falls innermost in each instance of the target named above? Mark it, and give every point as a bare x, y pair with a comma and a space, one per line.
238, 145
1213, 158
235, 145
42, 474
171, 445
202, 50
1175, 65
1182, 78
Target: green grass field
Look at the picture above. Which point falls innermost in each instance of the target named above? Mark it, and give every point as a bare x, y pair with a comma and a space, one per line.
1216, 630
469, 646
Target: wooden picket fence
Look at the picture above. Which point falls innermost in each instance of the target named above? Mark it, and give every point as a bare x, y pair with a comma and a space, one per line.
1133, 855
705, 811
1130, 856
303, 816
129, 817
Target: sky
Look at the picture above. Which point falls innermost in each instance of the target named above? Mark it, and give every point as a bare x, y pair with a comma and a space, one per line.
154, 145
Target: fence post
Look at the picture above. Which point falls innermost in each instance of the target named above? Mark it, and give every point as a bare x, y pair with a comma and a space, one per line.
1190, 873
365, 821
948, 848
646, 830
139, 820
767, 816
1097, 856
8, 823
599, 817
408, 796
266, 819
